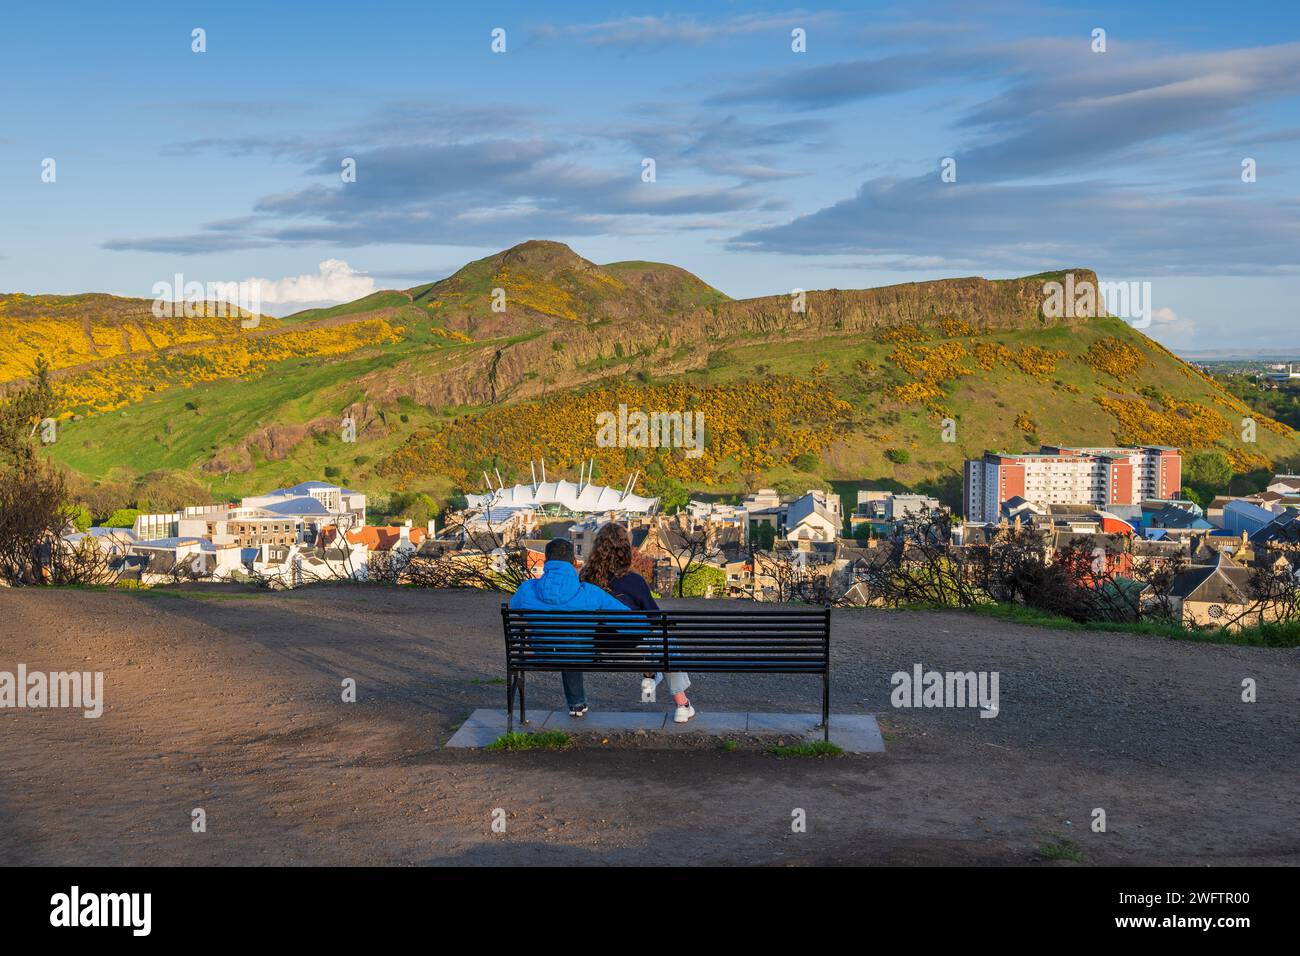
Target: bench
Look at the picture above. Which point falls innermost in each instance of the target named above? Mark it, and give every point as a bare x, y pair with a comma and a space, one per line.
731, 641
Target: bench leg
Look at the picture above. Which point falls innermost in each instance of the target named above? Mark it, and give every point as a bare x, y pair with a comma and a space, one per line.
510, 702
826, 707
523, 716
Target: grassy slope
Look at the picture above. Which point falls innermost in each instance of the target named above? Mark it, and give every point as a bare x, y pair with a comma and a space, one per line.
377, 300
162, 432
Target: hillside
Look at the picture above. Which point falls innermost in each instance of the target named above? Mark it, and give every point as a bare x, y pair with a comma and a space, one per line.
852, 389
83, 330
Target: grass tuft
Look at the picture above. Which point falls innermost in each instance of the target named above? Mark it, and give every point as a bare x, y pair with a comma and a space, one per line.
817, 748
1061, 850
542, 740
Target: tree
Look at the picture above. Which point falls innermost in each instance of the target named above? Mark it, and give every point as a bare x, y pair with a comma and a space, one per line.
33, 493
750, 481
79, 516
702, 580
33, 515
102, 498
1091, 579
418, 506
1209, 470
672, 495
686, 546
762, 535
164, 492
481, 557
122, 518
22, 410
795, 578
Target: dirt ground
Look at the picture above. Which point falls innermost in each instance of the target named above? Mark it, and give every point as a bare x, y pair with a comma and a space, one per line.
231, 702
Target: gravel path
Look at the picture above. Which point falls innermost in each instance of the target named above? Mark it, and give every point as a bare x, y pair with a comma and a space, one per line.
230, 701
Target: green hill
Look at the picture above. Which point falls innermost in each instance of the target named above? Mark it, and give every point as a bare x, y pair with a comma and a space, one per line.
892, 386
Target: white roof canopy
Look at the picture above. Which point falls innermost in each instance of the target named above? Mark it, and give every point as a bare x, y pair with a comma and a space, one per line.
585, 498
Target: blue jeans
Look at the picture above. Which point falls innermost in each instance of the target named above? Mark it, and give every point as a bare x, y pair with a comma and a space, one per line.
575, 695
678, 681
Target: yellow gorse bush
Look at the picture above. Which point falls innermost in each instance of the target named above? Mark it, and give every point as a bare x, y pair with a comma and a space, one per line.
930, 366
1114, 357
1175, 422
1038, 362
752, 425
74, 339
121, 383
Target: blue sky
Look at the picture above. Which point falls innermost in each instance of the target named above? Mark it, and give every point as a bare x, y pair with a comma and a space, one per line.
774, 169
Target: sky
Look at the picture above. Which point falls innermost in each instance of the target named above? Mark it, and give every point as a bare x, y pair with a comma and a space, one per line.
774, 168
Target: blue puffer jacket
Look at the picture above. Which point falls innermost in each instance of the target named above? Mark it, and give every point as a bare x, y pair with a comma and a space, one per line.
558, 589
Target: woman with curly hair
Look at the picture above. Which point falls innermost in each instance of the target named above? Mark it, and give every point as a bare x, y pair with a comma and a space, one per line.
610, 567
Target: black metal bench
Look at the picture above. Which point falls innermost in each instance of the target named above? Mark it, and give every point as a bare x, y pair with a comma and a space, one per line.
734, 640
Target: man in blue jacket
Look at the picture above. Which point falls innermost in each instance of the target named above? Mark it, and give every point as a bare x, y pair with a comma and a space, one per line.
558, 589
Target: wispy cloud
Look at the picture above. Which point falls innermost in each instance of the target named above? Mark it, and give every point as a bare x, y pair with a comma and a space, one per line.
1032, 227
727, 145
475, 193
1115, 160
650, 32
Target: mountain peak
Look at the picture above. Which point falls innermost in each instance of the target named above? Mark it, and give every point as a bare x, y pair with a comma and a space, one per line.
543, 283
544, 256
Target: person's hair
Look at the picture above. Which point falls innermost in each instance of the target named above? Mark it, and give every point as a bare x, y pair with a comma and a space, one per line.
559, 549
611, 555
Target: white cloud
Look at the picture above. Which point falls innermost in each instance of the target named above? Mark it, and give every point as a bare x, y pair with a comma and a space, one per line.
1168, 328
336, 282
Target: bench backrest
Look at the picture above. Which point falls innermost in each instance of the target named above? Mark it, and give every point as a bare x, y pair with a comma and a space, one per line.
731, 640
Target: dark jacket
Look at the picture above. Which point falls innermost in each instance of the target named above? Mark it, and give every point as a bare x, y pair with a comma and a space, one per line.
632, 590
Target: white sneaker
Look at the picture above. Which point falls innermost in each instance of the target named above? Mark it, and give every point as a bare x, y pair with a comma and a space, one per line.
683, 714
648, 685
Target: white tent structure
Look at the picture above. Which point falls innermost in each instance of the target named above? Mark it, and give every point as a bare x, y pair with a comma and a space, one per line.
581, 497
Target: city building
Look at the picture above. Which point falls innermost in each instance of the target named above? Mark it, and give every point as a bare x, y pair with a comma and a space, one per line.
1100, 477
880, 511
813, 518
297, 500
814, 515
1216, 594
